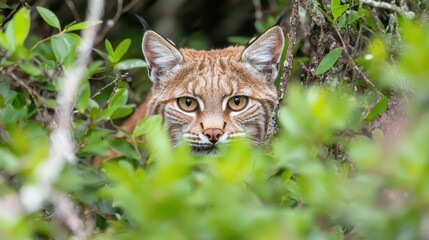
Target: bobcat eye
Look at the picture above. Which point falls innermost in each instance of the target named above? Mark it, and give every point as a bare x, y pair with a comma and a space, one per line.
237, 103
187, 104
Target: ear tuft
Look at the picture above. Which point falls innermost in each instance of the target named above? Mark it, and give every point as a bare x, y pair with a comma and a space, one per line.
143, 22
161, 56
263, 54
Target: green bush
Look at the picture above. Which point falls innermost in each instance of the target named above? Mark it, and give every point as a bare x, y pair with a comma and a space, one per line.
324, 176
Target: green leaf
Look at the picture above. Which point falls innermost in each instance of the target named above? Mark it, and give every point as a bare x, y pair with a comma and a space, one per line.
353, 16
119, 98
109, 48
21, 25
130, 64
10, 38
102, 54
30, 69
49, 17
5, 6
337, 9
368, 18
121, 49
122, 111
83, 96
341, 23
155, 135
127, 149
60, 47
94, 68
49, 102
328, 61
4, 41
378, 108
96, 142
117, 107
63, 45
7, 94
8, 161
82, 25
13, 114
94, 109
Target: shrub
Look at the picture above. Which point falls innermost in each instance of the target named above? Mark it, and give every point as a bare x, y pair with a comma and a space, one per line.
328, 174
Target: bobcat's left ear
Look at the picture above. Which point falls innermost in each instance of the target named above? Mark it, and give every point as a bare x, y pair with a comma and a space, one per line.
162, 57
263, 54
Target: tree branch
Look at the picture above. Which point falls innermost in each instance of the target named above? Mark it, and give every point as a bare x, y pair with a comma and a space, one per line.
62, 146
388, 6
111, 22
287, 68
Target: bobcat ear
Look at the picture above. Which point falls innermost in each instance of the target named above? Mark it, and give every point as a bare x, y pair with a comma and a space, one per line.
162, 57
263, 54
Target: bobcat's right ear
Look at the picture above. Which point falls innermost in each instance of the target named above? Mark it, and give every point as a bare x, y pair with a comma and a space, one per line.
162, 57
263, 54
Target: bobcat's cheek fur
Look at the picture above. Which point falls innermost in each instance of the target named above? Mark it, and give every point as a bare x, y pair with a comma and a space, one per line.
212, 78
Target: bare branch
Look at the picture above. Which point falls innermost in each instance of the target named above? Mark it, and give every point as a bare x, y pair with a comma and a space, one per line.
388, 6
118, 77
287, 68
287, 65
67, 212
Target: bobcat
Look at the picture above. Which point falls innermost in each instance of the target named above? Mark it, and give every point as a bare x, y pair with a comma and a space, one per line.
211, 97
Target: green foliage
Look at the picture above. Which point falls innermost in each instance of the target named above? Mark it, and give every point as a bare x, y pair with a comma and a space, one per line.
338, 9
49, 17
327, 175
329, 60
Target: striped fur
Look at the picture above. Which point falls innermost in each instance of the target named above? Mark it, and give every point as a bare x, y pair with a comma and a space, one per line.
212, 78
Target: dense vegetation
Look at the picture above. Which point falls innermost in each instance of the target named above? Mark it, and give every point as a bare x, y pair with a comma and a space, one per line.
350, 160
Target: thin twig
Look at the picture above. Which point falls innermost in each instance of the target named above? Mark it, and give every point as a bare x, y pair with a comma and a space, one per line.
131, 5
73, 10
118, 77
376, 19
25, 4
352, 61
12, 13
9, 16
42, 41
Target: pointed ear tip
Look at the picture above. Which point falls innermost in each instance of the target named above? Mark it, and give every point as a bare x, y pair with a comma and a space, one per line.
277, 29
149, 34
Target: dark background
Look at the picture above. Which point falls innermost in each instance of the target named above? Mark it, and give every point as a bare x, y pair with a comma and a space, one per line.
199, 24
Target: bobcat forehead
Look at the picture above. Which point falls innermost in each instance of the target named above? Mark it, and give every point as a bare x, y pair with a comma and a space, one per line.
209, 97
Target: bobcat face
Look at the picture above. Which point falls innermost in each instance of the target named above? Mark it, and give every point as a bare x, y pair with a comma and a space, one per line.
212, 97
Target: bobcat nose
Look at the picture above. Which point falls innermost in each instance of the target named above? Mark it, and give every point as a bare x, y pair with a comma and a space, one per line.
213, 134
